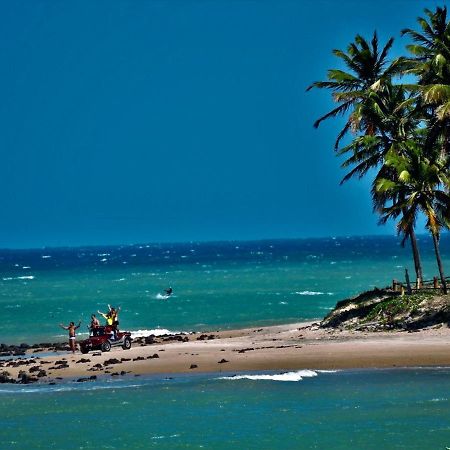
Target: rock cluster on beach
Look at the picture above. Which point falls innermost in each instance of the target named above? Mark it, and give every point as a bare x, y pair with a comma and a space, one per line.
31, 371
344, 339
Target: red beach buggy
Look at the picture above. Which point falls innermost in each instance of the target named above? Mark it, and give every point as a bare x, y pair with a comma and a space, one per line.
102, 338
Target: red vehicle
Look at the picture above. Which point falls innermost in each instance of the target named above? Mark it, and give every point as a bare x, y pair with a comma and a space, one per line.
103, 338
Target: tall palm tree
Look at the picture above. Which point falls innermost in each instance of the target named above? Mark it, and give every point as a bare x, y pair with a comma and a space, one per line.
375, 108
430, 63
421, 185
394, 120
367, 68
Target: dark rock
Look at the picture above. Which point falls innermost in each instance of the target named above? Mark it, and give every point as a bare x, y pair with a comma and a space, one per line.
112, 361
193, 366
139, 358
202, 337
83, 360
222, 361
26, 379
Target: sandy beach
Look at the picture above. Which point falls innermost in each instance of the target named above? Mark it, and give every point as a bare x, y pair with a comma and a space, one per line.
284, 347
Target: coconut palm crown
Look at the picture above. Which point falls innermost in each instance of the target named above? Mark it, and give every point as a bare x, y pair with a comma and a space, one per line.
366, 70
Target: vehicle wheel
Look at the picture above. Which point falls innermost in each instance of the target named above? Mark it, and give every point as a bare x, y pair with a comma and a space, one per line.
106, 346
84, 349
126, 344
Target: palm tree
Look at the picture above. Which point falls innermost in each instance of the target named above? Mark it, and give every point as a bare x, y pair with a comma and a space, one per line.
421, 185
367, 69
430, 63
394, 119
376, 108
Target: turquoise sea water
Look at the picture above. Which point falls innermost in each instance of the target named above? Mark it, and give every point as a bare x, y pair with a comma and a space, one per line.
373, 409
216, 286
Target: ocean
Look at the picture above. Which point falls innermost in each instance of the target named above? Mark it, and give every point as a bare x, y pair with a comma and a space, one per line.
366, 409
217, 286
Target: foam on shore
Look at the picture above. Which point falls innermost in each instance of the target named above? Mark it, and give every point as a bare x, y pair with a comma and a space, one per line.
286, 376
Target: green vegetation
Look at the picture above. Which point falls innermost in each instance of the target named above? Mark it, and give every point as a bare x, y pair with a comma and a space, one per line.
386, 310
400, 132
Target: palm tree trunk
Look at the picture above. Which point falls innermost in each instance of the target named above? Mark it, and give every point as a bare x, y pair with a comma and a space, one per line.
439, 262
416, 255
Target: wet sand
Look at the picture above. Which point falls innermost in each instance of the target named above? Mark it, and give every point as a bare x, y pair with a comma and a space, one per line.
284, 347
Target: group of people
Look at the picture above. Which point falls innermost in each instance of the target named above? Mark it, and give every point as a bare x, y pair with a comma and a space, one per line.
112, 323
111, 317
111, 326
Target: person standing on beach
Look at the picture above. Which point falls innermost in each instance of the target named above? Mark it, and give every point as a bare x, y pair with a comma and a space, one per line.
71, 327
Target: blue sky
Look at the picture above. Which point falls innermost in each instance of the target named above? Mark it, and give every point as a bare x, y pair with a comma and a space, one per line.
149, 121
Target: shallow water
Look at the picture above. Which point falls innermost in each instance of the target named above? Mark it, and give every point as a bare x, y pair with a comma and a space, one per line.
367, 409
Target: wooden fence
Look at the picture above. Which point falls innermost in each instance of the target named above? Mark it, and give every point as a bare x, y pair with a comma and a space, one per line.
426, 285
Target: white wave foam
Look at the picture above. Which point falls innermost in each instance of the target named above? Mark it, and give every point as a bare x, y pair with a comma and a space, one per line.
313, 293
45, 256
287, 376
161, 297
27, 277
155, 332
69, 387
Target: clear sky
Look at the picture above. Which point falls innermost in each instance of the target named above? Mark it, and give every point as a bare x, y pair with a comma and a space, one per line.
149, 121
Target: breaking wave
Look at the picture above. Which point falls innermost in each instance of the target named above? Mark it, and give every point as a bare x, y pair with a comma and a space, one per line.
155, 332
286, 376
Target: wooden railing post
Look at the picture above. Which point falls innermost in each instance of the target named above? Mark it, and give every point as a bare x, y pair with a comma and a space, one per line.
408, 283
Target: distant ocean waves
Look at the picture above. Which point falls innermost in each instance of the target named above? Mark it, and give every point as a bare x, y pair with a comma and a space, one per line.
216, 285
309, 293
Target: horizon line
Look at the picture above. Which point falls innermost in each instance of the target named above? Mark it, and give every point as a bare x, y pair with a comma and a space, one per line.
212, 241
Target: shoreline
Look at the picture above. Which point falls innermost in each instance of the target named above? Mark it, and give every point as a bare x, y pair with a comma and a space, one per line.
293, 346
